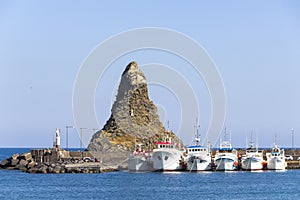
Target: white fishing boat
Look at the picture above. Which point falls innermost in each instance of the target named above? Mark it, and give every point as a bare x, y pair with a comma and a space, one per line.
167, 157
198, 157
253, 159
226, 158
276, 159
140, 161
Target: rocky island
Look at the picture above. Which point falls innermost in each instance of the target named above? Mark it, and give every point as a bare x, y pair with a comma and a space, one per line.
134, 119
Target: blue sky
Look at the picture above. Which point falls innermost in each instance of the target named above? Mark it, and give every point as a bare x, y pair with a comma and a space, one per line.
255, 45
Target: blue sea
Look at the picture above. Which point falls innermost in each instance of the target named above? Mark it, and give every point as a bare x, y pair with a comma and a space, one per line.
156, 185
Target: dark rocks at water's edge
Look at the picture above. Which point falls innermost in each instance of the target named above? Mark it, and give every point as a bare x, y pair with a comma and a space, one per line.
31, 163
134, 119
19, 162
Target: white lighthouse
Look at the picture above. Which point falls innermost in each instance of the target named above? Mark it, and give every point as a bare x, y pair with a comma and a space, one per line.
57, 141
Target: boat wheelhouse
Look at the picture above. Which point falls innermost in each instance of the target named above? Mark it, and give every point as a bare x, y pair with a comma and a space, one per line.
167, 157
276, 159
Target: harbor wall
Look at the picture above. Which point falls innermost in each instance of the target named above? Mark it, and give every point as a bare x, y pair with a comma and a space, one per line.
55, 154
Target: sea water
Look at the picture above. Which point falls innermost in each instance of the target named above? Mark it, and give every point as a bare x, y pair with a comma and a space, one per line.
155, 185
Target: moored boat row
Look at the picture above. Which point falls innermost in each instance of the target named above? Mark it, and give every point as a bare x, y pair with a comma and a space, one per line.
168, 156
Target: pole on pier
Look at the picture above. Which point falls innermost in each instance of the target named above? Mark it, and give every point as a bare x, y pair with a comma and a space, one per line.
293, 133
67, 136
81, 141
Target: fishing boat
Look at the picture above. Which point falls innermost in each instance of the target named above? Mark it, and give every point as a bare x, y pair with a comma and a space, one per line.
253, 159
198, 157
276, 159
140, 161
226, 158
167, 156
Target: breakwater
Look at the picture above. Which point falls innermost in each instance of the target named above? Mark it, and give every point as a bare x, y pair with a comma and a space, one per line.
55, 160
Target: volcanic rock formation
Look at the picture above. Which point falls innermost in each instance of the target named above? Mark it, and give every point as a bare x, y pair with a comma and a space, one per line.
133, 119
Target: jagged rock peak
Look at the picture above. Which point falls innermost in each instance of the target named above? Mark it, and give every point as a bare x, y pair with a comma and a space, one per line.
132, 79
132, 66
133, 117
133, 74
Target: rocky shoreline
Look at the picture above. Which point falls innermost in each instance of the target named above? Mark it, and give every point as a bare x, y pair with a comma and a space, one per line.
26, 163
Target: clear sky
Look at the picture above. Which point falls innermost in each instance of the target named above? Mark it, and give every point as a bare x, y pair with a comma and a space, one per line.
255, 45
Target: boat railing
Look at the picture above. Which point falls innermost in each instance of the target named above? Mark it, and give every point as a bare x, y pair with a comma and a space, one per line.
141, 153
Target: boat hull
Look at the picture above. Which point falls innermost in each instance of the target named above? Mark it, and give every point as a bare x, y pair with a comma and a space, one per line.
250, 163
199, 164
276, 163
140, 163
167, 160
225, 164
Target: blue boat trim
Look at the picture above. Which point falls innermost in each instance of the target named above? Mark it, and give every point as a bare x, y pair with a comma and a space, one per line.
196, 147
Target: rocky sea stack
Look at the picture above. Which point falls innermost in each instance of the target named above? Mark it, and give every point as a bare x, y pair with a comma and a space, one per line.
133, 119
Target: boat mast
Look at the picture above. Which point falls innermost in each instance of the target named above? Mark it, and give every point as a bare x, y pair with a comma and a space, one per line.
225, 134
275, 140
246, 141
251, 139
224, 137
167, 139
197, 133
256, 142
230, 137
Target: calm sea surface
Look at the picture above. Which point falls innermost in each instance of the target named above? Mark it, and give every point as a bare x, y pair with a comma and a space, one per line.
124, 185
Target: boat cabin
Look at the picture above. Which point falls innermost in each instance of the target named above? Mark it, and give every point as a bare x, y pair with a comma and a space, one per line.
197, 149
225, 146
277, 152
161, 145
253, 149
